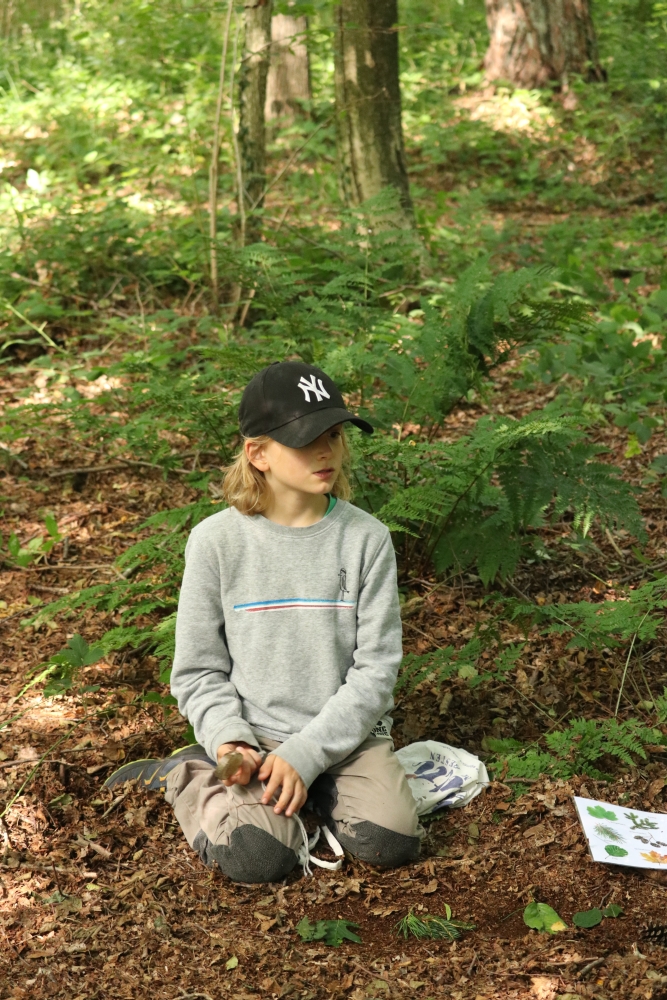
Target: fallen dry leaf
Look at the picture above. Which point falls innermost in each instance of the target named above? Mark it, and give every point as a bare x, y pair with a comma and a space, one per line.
544, 987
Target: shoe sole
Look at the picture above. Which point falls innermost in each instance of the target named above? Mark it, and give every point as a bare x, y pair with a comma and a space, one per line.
135, 770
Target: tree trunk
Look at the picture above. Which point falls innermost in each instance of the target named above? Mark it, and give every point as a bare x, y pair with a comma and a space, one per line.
536, 41
369, 135
252, 97
289, 72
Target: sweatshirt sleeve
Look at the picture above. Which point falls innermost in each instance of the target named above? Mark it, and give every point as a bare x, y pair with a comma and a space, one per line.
200, 674
350, 714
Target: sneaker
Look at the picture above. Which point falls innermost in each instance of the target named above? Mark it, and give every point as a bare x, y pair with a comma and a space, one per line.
152, 773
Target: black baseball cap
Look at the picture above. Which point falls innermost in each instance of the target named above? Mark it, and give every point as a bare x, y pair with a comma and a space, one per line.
293, 403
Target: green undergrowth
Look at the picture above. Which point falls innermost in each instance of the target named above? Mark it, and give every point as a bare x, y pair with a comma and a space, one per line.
585, 746
475, 502
105, 294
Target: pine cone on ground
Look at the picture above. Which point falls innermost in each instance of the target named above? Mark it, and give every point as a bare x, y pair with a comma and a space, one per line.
654, 932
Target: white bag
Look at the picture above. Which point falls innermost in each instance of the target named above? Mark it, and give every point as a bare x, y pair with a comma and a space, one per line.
441, 776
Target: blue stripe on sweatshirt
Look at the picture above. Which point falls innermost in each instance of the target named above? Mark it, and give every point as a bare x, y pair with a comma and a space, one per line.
284, 604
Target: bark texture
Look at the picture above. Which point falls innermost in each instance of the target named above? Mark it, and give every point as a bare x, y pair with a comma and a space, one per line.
252, 98
369, 133
534, 42
288, 82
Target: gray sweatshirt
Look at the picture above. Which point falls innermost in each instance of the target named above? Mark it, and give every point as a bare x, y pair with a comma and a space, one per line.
288, 633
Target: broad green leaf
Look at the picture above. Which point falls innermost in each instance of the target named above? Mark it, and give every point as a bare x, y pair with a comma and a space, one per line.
80, 654
542, 917
613, 910
587, 918
615, 851
52, 527
331, 932
305, 929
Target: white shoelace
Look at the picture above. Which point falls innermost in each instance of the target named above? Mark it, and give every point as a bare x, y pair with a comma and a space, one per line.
305, 856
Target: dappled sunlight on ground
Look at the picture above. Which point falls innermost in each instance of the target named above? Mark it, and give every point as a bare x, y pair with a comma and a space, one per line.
510, 111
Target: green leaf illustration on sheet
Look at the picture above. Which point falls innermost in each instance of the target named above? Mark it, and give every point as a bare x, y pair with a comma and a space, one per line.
615, 851
599, 812
608, 832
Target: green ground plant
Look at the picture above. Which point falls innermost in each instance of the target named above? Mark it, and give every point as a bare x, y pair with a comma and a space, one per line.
432, 927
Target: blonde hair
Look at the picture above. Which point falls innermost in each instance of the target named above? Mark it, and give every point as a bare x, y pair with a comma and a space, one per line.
245, 487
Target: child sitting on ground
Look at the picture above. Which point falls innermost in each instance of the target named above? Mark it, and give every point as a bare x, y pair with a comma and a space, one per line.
288, 642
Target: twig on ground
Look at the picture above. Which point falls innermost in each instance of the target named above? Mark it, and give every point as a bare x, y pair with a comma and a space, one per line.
102, 851
430, 638
636, 574
116, 802
625, 669
45, 567
56, 879
13, 457
11, 617
116, 467
5, 837
612, 542
591, 965
39, 764
519, 593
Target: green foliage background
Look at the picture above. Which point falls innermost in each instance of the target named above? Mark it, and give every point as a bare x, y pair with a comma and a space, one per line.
105, 134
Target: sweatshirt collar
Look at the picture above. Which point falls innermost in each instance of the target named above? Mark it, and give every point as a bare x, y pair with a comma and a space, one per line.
270, 527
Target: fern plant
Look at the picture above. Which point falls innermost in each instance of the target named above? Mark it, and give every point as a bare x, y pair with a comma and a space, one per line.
479, 501
576, 749
476, 501
638, 613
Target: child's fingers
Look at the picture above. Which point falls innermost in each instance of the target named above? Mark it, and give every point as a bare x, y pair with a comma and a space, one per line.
286, 794
267, 767
255, 758
298, 799
251, 761
272, 787
242, 776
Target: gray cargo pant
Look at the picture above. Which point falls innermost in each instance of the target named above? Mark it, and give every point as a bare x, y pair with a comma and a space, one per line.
365, 801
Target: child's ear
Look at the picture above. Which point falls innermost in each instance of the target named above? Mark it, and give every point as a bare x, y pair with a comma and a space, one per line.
256, 455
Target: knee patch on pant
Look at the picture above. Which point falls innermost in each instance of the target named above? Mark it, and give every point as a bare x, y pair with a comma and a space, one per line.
252, 855
379, 846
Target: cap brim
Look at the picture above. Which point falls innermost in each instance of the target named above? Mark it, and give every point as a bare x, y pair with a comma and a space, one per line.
304, 430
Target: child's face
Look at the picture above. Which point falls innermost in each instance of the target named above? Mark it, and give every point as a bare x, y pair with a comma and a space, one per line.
313, 469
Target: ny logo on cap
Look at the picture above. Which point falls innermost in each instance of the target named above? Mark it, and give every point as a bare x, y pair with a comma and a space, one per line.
309, 386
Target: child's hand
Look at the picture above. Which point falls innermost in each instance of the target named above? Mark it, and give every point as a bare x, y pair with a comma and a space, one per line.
294, 792
251, 761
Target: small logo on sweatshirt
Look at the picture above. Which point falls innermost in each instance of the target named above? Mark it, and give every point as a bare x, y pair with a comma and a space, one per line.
308, 386
342, 577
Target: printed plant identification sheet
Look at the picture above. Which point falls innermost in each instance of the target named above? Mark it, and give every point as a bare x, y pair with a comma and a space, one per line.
618, 835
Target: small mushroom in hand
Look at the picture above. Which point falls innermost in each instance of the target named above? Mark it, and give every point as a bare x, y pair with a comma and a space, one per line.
228, 765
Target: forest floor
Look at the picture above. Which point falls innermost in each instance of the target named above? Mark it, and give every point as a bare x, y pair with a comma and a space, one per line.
101, 896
